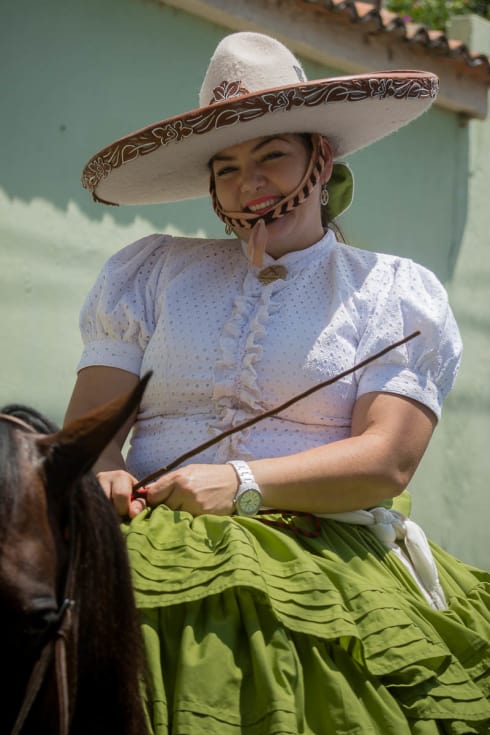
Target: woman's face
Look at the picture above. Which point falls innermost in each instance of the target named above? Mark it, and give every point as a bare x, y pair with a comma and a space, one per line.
255, 175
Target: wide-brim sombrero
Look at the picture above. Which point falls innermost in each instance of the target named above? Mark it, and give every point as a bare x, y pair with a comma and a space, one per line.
254, 86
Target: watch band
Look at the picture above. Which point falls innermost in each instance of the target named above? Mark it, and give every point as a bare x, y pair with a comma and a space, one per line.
245, 474
248, 498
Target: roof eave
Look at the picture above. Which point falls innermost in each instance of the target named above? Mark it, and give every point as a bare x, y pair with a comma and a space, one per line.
353, 37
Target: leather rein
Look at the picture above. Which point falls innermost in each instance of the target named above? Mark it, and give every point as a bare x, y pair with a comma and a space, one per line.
65, 624
138, 488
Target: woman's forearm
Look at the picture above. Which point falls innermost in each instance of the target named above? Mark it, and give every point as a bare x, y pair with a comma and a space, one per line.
94, 387
346, 475
110, 459
390, 435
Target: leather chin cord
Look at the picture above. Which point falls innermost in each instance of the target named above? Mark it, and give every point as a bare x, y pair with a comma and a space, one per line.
257, 243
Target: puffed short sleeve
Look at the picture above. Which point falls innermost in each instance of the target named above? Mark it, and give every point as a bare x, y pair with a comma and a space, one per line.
117, 317
409, 298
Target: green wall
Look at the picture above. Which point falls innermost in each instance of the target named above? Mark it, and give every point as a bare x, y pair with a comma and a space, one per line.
78, 75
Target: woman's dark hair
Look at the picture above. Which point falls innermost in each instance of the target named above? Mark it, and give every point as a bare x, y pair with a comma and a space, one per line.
326, 222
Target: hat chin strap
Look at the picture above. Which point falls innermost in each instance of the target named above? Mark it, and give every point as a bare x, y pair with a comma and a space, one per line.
257, 242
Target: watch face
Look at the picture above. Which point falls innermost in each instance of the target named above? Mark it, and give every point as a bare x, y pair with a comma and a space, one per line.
249, 502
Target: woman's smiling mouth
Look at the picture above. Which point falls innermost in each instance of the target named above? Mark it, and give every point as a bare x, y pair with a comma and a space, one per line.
262, 205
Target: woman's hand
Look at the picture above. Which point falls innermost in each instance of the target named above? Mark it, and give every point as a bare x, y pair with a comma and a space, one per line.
118, 486
197, 489
95, 386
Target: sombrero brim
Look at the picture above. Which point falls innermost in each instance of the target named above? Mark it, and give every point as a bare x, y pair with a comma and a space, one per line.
168, 161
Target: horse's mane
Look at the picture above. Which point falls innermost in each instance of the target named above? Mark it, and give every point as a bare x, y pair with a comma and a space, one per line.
9, 467
109, 632
33, 418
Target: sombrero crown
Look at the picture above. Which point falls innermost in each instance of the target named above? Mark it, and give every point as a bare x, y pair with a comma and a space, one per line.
254, 86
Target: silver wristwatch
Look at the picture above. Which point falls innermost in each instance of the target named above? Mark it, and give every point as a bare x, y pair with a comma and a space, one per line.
248, 499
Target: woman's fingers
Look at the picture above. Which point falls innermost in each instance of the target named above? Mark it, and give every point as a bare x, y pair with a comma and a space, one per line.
136, 505
198, 489
118, 487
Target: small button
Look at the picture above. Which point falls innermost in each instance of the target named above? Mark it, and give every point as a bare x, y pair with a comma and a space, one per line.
272, 273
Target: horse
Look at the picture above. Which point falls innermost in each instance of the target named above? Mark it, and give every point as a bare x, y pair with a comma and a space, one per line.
71, 642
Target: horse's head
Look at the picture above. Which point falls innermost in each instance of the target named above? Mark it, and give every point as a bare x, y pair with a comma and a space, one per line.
46, 489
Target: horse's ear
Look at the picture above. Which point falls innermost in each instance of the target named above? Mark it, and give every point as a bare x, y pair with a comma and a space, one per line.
73, 450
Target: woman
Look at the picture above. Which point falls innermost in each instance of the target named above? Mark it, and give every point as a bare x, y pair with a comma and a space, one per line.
280, 589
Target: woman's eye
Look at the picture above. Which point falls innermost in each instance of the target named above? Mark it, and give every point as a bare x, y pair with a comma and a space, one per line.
225, 170
273, 154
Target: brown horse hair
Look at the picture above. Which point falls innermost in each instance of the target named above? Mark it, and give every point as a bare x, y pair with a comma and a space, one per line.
109, 695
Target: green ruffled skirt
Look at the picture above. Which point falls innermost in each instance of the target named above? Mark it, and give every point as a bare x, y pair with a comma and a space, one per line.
253, 629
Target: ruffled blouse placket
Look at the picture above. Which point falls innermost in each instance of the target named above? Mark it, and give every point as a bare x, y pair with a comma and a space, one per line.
237, 393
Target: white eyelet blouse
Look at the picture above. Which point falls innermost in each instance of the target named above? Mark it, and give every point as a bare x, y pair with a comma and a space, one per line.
224, 344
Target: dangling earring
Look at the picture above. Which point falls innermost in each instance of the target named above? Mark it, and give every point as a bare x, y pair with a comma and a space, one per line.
324, 196
228, 229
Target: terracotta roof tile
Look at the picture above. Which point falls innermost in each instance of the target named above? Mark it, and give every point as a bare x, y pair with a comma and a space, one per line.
389, 22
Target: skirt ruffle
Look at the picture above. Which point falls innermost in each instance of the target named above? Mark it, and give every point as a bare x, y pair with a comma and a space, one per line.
255, 630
